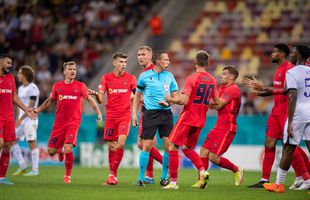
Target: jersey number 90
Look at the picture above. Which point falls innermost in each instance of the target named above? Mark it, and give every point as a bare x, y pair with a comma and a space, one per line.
203, 93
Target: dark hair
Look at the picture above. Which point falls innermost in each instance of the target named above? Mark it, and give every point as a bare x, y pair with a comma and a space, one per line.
2, 56
28, 72
157, 55
232, 70
303, 50
283, 48
202, 58
67, 63
119, 55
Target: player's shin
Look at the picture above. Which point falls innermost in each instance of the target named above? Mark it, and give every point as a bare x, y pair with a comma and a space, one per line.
143, 161
165, 166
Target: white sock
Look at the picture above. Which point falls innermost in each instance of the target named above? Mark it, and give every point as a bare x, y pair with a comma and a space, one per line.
17, 153
299, 178
281, 174
35, 159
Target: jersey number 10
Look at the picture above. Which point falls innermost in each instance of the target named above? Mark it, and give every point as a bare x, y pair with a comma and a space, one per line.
204, 91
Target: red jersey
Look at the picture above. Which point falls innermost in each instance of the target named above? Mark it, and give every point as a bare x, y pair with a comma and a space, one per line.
151, 66
7, 89
227, 115
280, 101
69, 99
200, 87
118, 91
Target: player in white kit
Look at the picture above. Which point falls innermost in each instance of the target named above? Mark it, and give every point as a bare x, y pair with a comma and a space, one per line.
297, 126
28, 92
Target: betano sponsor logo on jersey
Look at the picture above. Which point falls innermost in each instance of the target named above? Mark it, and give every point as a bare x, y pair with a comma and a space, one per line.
68, 97
9, 91
116, 91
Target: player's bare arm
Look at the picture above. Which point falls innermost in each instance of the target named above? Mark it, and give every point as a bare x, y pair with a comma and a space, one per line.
20, 120
261, 90
99, 95
95, 107
22, 106
180, 99
44, 105
136, 101
217, 103
292, 98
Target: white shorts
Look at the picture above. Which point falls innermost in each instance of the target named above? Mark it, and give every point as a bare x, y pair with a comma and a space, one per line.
301, 131
27, 130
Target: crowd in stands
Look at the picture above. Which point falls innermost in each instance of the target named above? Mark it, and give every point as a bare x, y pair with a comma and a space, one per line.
242, 33
45, 33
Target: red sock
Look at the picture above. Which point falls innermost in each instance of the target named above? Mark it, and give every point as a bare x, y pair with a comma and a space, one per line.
156, 155
225, 163
173, 165
268, 162
149, 168
69, 158
4, 163
194, 157
111, 159
205, 162
117, 161
299, 165
305, 157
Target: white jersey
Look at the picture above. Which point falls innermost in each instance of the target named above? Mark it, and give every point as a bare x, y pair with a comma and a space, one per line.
25, 93
299, 78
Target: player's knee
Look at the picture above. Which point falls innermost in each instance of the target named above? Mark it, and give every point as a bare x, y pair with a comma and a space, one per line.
68, 148
32, 145
6, 146
121, 146
51, 151
214, 158
270, 142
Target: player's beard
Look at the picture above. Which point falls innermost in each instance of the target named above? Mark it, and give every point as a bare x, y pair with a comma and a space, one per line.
275, 60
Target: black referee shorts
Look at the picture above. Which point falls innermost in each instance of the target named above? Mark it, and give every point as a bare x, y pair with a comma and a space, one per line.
153, 120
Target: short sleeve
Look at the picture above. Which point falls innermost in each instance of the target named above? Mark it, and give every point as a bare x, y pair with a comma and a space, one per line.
291, 81
53, 94
33, 91
188, 87
102, 85
133, 83
229, 94
140, 83
14, 84
84, 91
173, 85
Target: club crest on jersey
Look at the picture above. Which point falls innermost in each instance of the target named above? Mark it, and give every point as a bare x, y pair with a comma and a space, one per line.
125, 83
69, 97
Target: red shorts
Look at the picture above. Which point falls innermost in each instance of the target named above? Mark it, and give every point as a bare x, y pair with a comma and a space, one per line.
115, 127
275, 126
63, 134
185, 135
218, 141
7, 131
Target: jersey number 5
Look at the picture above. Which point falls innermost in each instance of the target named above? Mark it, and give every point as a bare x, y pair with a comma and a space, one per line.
203, 93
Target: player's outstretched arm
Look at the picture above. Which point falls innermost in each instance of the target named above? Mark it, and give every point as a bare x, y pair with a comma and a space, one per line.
22, 106
99, 95
44, 105
95, 107
176, 98
20, 120
136, 101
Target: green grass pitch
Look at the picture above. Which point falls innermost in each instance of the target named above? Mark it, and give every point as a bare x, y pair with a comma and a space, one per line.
86, 184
